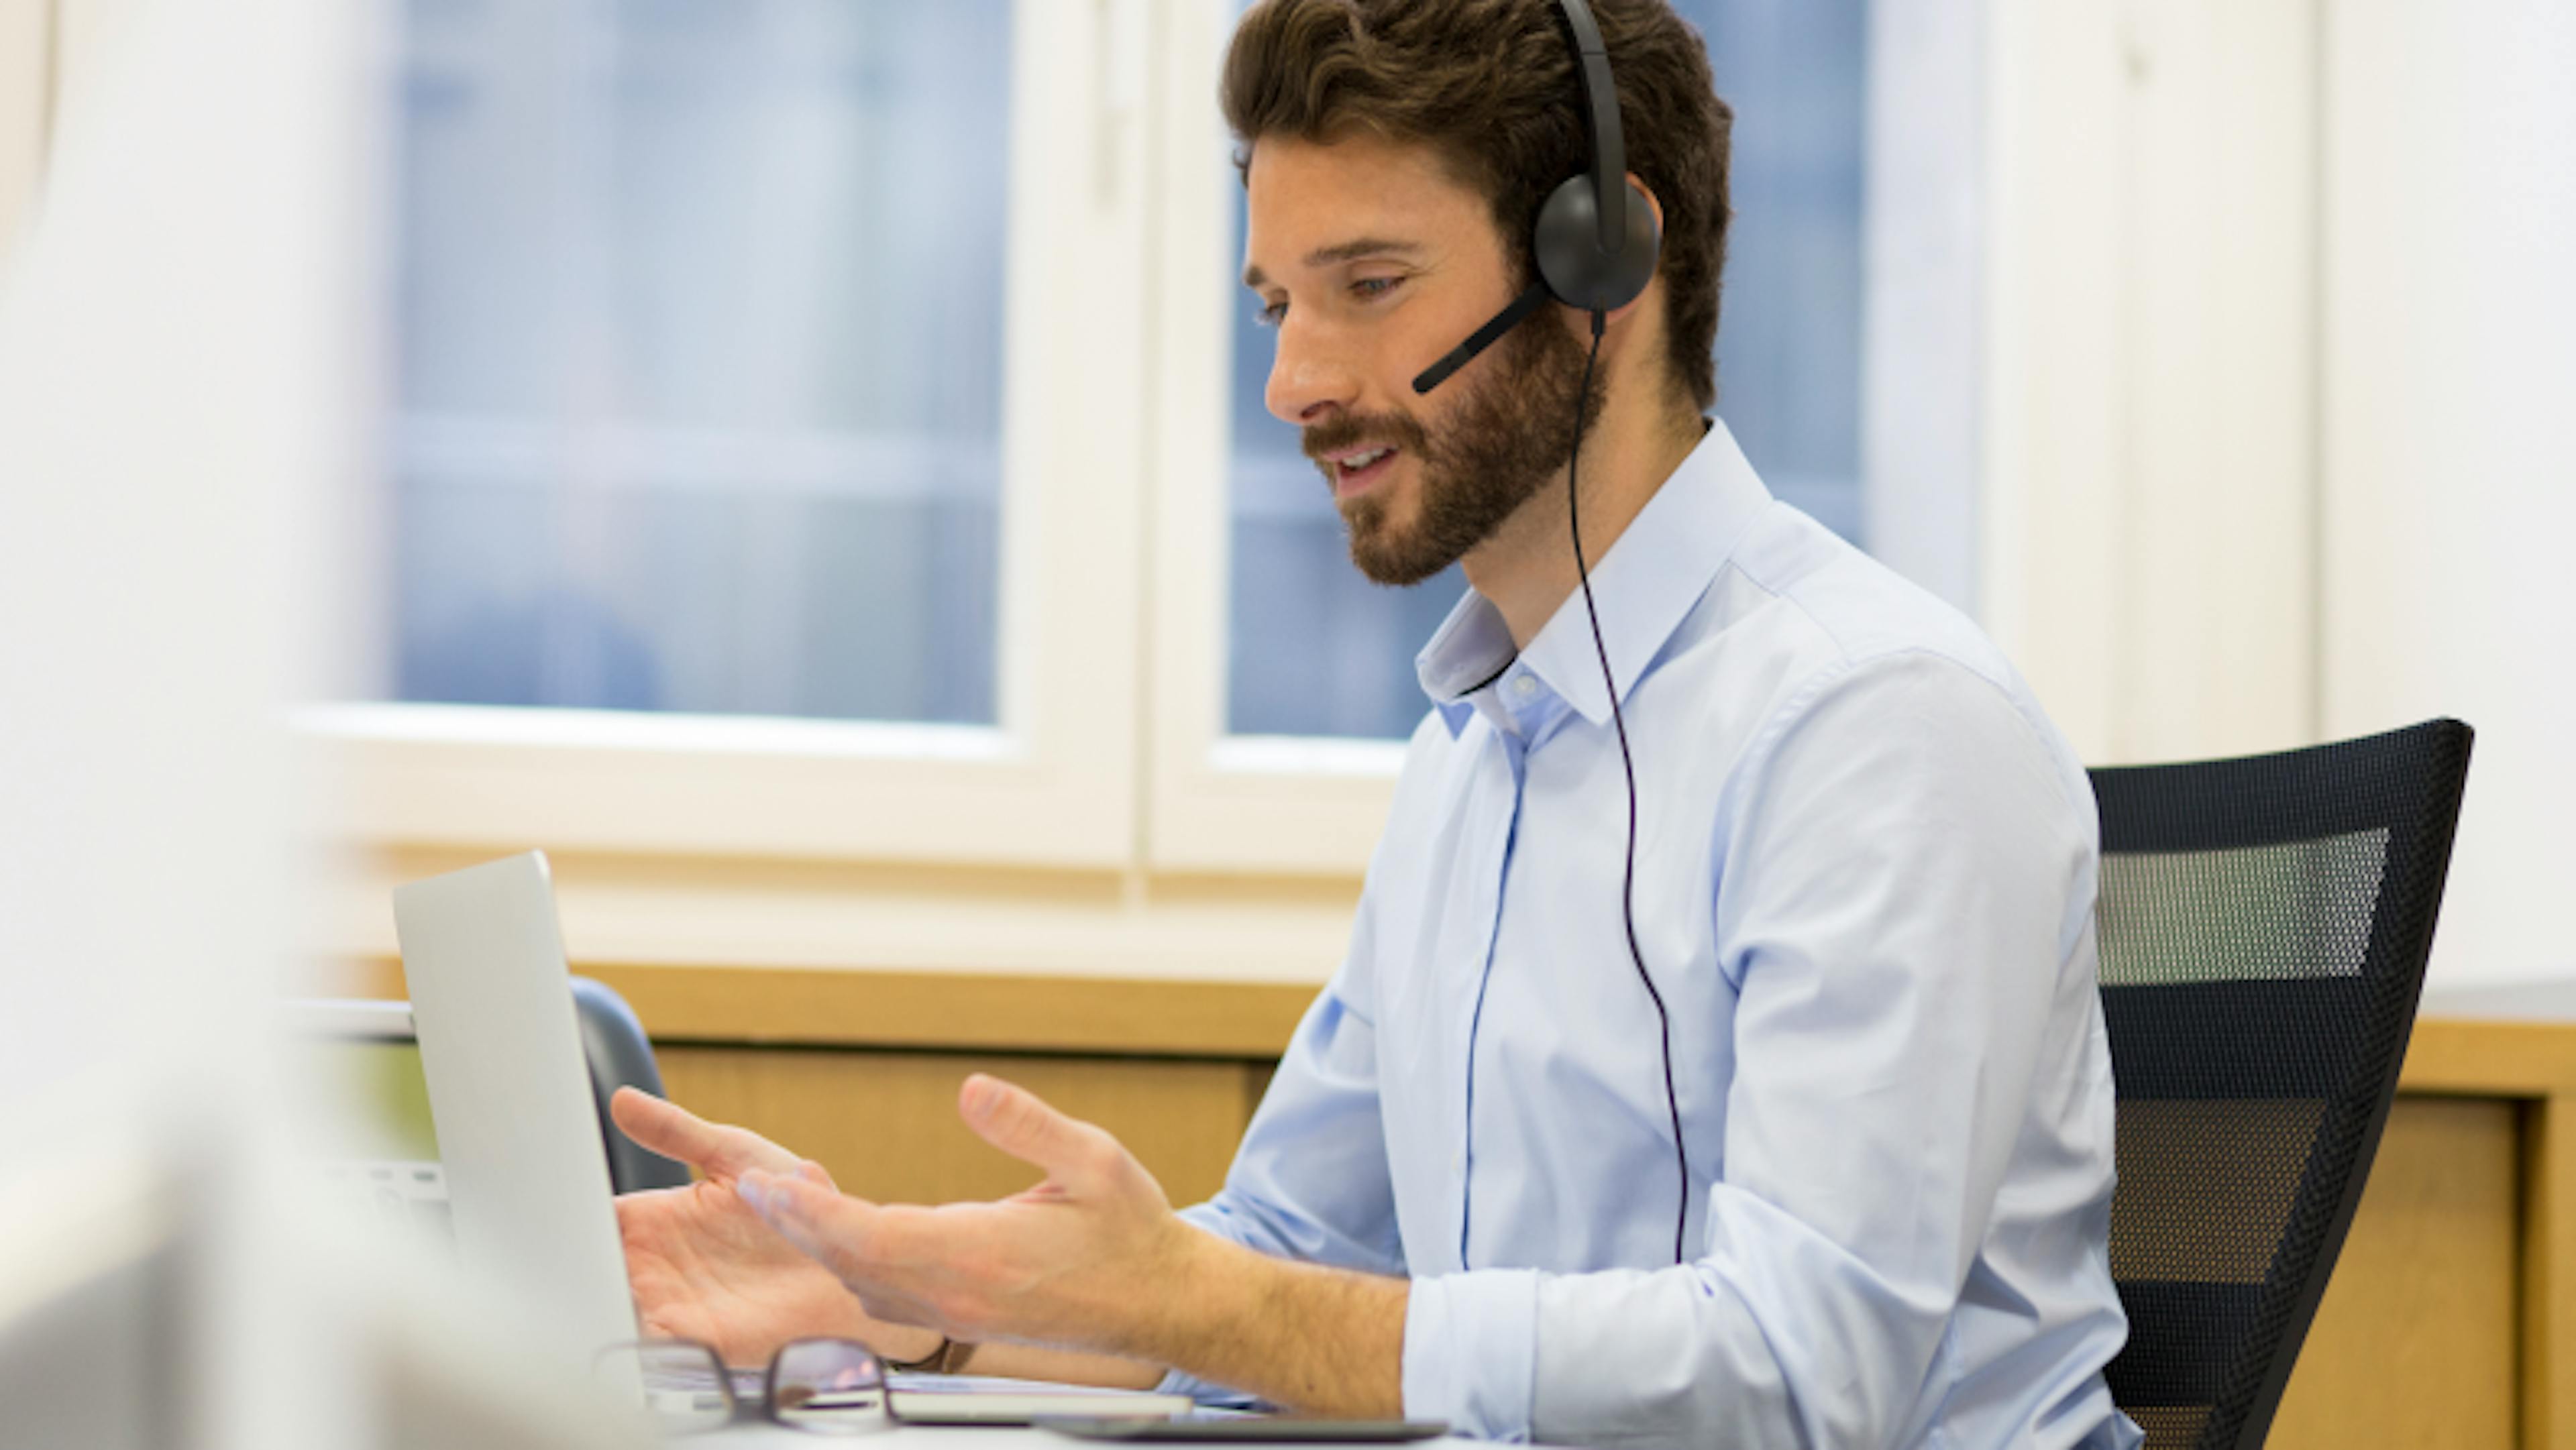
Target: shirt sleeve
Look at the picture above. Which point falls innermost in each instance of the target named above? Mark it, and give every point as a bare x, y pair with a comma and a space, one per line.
1311, 1180
1903, 880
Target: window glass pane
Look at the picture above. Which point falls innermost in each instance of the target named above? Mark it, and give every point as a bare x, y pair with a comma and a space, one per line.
689, 419
1789, 327
1317, 650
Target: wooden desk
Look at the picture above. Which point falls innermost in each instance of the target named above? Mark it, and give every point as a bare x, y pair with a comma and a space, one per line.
2451, 1319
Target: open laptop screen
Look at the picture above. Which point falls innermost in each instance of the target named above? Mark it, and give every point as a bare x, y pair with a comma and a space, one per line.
378, 1155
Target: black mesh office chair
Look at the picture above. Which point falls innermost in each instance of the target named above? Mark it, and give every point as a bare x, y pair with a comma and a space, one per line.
2264, 924
619, 1054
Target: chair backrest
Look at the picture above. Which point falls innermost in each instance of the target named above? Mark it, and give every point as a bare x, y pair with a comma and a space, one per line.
2264, 925
619, 1054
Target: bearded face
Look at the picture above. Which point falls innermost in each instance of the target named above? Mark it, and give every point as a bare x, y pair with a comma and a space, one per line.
1508, 428
1372, 258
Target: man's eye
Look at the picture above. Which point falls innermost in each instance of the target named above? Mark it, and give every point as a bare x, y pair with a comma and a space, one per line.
1270, 314
1369, 289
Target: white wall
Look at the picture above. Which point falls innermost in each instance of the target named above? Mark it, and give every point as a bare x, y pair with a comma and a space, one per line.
2449, 386
2149, 462
26, 107
2282, 358
50, 50
88, 35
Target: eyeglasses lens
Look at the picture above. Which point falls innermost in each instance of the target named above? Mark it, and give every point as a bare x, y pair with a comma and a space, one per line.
683, 1384
831, 1385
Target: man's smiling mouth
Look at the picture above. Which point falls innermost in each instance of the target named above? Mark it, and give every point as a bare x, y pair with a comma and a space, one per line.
1358, 468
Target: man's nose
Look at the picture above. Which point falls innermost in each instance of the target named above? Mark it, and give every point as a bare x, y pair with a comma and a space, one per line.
1308, 376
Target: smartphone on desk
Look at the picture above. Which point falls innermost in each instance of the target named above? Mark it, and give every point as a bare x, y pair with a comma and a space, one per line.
1272, 1429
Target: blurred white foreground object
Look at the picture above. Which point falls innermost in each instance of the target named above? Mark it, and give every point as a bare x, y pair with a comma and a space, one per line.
120, 1273
184, 383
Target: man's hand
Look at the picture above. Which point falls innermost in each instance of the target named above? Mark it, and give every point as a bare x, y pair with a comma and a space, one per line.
705, 1267
1094, 1257
1071, 1261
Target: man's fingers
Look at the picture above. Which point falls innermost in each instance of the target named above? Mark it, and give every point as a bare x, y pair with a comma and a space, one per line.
1021, 1124
675, 1132
824, 1225
664, 1127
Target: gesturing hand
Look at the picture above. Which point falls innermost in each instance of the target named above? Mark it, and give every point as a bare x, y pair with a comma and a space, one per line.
702, 1264
1071, 1261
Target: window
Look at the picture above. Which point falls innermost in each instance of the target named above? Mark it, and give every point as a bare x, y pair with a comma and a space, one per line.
1789, 325
691, 418
829, 476
762, 473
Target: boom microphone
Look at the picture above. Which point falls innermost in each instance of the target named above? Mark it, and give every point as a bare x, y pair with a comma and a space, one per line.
1484, 337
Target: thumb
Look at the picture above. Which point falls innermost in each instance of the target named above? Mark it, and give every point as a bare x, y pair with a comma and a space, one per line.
1021, 1124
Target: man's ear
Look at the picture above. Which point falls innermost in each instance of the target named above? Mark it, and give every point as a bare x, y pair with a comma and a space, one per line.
1652, 201
1657, 206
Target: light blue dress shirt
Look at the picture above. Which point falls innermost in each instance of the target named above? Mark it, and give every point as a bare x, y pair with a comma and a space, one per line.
1865, 878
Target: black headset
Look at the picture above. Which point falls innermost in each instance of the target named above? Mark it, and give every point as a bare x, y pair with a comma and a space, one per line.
1590, 256
1598, 258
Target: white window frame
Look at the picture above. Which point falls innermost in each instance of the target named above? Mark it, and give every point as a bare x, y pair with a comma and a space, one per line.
1220, 802
1053, 783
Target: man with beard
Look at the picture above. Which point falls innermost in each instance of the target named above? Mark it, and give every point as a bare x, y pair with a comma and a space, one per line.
1778, 1113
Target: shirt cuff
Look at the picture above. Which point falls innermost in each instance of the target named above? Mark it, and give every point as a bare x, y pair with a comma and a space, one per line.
1207, 1392
1470, 1351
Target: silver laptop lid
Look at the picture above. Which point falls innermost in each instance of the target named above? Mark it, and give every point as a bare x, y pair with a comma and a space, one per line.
518, 1137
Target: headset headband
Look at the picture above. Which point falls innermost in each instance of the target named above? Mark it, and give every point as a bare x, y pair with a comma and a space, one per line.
1600, 123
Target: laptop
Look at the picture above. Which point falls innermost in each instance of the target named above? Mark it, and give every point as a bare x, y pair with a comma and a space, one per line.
518, 1139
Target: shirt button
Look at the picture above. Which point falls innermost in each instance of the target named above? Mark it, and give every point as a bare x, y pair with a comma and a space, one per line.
1525, 686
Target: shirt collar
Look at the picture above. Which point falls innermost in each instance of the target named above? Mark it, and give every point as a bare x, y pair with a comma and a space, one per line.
1644, 587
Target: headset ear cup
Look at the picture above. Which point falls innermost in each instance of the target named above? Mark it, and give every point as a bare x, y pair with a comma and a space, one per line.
1568, 248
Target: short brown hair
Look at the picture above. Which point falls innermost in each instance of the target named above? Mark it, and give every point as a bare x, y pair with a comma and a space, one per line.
1490, 85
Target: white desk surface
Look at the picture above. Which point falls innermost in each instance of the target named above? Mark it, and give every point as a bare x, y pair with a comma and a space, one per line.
2543, 1001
